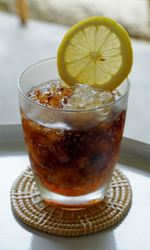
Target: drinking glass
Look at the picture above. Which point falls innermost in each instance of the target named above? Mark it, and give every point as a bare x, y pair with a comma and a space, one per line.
72, 152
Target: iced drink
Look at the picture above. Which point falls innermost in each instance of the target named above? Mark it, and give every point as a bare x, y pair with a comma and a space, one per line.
72, 155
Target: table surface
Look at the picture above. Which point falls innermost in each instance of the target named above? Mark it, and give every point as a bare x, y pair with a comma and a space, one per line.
21, 46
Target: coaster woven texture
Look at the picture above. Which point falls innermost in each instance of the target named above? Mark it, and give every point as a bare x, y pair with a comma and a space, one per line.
32, 210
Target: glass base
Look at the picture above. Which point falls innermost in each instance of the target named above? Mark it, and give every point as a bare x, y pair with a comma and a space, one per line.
72, 202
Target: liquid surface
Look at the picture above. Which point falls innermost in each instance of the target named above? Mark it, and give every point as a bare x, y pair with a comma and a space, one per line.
81, 96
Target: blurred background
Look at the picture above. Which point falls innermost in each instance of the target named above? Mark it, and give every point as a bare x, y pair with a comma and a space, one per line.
134, 15
31, 30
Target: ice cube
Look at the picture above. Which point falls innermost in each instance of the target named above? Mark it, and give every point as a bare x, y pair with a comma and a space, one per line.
106, 97
85, 97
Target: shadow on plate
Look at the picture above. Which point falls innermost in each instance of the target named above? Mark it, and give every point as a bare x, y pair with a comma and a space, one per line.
41, 240
103, 240
135, 163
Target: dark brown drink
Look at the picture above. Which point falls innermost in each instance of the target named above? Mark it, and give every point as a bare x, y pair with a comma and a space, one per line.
74, 161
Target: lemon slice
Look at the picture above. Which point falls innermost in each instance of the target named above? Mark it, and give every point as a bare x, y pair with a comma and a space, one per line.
96, 51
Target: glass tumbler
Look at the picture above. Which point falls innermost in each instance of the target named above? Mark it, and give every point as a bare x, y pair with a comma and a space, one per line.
72, 152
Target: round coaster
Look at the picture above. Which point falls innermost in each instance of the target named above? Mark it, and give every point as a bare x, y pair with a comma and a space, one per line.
32, 210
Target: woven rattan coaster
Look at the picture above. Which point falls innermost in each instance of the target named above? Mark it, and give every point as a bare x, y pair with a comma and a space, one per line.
32, 210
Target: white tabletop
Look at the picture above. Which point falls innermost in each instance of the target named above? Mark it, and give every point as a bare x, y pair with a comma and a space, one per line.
22, 46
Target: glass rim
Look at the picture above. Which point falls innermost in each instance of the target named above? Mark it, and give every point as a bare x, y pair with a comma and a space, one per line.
67, 110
